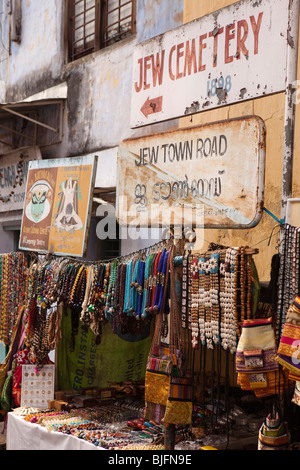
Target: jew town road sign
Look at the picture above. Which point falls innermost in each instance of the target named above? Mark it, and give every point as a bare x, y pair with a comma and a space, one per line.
234, 54
211, 176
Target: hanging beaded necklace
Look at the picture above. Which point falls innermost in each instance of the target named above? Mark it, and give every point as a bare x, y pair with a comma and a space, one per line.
109, 305
217, 296
122, 288
184, 310
116, 300
214, 297
4, 317
97, 302
75, 301
194, 296
150, 285
129, 270
154, 281
140, 290
146, 284
85, 316
133, 288
158, 281
163, 281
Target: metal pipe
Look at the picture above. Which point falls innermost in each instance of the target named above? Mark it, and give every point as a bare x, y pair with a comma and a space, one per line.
290, 104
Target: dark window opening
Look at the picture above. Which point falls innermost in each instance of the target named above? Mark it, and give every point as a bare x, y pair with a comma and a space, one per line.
94, 24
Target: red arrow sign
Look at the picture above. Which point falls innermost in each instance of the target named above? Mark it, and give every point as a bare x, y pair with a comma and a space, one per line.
152, 106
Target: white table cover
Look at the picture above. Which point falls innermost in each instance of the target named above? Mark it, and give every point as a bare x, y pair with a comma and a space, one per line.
21, 435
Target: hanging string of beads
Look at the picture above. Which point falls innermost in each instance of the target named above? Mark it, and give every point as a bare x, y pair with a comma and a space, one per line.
217, 295
288, 277
13, 268
128, 293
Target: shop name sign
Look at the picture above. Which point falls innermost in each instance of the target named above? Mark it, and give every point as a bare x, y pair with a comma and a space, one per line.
13, 176
231, 55
207, 176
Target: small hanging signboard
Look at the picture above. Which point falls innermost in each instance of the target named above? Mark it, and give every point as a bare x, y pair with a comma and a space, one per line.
57, 208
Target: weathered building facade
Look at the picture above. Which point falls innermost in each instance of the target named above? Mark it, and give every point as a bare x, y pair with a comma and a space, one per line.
67, 66
66, 72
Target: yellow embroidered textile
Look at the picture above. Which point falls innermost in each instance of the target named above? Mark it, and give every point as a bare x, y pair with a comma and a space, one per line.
277, 382
290, 340
156, 388
179, 404
294, 377
287, 365
258, 381
178, 412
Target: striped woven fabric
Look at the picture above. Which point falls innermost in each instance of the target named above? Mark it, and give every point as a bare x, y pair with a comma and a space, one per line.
180, 389
155, 412
160, 366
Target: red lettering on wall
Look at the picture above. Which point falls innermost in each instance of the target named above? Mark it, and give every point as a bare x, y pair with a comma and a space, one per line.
147, 65
190, 58
172, 76
202, 45
158, 68
180, 54
256, 29
240, 40
137, 86
215, 35
228, 37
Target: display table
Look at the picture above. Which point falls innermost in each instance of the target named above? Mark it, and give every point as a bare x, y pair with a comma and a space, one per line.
21, 435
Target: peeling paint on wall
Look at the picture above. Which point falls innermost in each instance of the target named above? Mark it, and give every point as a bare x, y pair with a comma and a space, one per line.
98, 105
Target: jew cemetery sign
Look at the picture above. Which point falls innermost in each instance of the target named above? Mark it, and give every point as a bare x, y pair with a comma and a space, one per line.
231, 55
207, 176
57, 207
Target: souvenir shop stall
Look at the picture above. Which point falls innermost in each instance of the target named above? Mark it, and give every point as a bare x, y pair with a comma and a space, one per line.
211, 365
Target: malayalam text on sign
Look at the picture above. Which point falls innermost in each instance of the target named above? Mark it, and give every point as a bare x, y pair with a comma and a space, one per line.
206, 176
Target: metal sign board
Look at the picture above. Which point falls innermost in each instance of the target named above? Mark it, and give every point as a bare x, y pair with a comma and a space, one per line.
208, 176
57, 208
13, 176
231, 55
